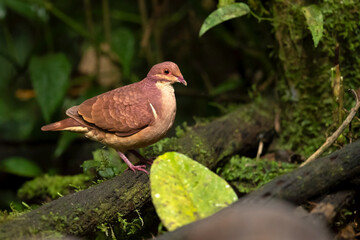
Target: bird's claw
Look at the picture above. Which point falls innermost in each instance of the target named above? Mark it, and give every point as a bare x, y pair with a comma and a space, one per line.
139, 168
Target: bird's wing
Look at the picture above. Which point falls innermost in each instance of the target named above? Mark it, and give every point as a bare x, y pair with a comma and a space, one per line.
124, 111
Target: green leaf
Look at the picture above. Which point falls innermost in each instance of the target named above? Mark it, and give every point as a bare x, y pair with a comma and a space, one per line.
15, 54
17, 119
224, 87
223, 14
223, 3
88, 165
7, 71
20, 166
123, 44
2, 11
22, 8
315, 22
184, 191
29, 10
49, 76
107, 163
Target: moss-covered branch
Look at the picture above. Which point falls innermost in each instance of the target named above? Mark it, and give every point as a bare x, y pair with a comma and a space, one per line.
80, 213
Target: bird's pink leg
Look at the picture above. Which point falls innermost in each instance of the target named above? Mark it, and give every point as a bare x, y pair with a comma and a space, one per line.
131, 166
141, 158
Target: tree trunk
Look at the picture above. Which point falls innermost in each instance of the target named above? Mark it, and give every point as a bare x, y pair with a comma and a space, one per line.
80, 213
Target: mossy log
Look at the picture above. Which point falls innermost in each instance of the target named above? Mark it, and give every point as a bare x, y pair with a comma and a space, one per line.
314, 179
80, 213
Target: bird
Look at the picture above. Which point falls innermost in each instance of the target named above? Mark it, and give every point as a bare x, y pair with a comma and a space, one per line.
129, 117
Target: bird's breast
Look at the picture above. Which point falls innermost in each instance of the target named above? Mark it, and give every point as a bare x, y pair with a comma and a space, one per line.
164, 112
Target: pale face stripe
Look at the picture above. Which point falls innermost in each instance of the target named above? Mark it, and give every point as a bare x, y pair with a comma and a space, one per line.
171, 78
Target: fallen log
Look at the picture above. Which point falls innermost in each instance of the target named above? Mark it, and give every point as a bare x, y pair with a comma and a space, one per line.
80, 213
329, 207
271, 221
314, 179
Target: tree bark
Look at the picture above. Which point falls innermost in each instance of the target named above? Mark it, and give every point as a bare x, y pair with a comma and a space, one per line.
313, 179
80, 213
329, 207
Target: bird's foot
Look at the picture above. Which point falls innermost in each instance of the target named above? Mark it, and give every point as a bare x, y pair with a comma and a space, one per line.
138, 168
131, 166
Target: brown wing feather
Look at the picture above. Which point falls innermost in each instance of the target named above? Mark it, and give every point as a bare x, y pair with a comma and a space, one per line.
124, 111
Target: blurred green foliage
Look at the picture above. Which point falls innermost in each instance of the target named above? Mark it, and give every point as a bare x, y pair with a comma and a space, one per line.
50, 77
20, 166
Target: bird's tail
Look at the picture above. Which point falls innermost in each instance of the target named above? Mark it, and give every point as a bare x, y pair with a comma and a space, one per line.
67, 124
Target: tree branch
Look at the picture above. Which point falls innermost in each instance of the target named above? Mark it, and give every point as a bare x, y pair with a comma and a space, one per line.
80, 213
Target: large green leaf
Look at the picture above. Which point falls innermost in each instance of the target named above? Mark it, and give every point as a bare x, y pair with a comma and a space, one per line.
315, 22
223, 14
123, 44
14, 55
184, 191
223, 3
17, 119
50, 76
27, 9
20, 166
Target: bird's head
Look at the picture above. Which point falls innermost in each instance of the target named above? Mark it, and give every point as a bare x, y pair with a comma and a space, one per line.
167, 72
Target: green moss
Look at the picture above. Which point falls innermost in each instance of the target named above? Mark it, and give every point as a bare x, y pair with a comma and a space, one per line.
181, 130
162, 146
132, 227
122, 228
201, 150
52, 186
248, 174
15, 211
304, 88
59, 222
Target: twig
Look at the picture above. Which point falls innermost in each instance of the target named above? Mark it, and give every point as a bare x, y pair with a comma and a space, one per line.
330, 140
260, 149
147, 28
106, 19
89, 20
65, 18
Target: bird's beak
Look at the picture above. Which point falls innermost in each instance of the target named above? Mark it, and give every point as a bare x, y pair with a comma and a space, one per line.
182, 80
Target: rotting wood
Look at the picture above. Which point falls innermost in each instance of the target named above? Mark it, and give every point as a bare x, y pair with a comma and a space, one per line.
327, 209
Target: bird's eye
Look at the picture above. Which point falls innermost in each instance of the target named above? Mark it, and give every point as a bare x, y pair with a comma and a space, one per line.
166, 71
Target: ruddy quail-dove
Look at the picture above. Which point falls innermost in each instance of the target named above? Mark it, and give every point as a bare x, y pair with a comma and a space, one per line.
129, 117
